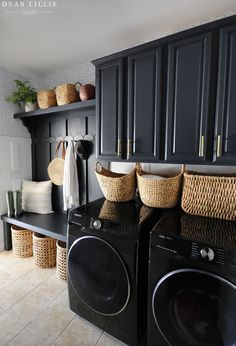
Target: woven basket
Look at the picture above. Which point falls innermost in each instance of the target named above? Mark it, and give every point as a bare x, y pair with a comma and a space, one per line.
22, 242
206, 230
116, 187
61, 260
209, 195
66, 93
44, 249
46, 99
163, 193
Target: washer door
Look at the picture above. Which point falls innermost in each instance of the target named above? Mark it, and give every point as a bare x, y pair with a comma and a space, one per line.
98, 275
195, 307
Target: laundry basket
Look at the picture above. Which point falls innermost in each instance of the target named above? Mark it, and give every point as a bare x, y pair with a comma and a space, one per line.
61, 260
44, 250
159, 193
209, 195
116, 187
22, 242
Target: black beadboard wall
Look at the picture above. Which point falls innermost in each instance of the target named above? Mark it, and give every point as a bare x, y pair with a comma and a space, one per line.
43, 150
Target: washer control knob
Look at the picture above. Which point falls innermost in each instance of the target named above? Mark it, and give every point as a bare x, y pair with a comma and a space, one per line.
97, 224
207, 254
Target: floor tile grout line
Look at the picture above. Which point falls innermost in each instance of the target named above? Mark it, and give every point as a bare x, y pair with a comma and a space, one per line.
62, 331
25, 327
100, 337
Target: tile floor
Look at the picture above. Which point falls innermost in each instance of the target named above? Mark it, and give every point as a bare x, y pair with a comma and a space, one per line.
34, 309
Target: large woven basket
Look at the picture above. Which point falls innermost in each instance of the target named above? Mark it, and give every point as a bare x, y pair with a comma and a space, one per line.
209, 195
209, 231
163, 193
66, 93
61, 260
46, 99
44, 249
116, 187
22, 242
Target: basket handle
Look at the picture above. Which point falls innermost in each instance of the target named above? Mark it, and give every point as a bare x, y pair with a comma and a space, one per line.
183, 169
98, 166
79, 84
63, 150
138, 167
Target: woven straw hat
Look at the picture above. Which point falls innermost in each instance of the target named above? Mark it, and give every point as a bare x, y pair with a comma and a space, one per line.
56, 166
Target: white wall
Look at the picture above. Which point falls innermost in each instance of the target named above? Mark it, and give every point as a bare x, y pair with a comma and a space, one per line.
161, 168
15, 144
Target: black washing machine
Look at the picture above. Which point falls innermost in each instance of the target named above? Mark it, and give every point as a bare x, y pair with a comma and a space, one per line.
108, 266
192, 281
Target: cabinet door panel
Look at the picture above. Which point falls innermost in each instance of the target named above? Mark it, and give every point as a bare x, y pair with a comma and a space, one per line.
187, 99
144, 105
226, 99
109, 82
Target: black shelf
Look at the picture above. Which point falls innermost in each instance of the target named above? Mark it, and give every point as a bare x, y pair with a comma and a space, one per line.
72, 107
52, 225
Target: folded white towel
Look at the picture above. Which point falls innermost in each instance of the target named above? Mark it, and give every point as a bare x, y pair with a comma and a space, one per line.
70, 181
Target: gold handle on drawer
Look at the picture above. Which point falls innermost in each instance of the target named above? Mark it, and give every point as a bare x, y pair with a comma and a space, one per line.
119, 147
202, 146
129, 148
218, 151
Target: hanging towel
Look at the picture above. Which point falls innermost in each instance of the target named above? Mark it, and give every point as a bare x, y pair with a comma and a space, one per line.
70, 181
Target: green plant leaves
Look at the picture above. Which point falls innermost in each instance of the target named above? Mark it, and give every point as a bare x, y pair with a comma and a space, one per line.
24, 93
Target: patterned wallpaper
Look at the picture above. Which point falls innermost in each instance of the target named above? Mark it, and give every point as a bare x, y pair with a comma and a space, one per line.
83, 73
8, 125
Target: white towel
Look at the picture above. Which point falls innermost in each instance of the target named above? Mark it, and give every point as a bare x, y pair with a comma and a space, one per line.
70, 181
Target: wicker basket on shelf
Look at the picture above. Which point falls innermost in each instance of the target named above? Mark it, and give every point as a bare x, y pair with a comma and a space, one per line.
61, 260
46, 99
22, 242
44, 249
209, 195
66, 93
116, 187
161, 193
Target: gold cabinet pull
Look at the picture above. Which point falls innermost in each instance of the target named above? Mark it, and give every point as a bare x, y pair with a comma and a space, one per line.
202, 146
119, 147
129, 148
218, 151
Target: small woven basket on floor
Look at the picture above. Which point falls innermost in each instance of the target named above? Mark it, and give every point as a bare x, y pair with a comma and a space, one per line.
22, 242
44, 250
163, 193
66, 93
61, 260
208, 230
209, 195
46, 99
116, 187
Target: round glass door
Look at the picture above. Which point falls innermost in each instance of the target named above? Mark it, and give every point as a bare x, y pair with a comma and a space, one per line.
98, 275
195, 307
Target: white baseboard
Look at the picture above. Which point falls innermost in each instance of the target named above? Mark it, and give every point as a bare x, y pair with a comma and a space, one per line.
1, 246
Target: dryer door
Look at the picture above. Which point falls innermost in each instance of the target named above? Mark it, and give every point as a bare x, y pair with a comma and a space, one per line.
195, 307
98, 275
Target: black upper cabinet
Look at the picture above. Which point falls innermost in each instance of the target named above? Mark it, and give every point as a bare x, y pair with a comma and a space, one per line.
110, 109
128, 109
189, 66
144, 105
170, 100
225, 147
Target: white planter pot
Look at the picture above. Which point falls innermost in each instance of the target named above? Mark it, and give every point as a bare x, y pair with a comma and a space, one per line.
29, 107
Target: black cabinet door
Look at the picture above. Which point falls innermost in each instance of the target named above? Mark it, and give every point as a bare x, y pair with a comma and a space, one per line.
144, 106
189, 73
225, 148
110, 109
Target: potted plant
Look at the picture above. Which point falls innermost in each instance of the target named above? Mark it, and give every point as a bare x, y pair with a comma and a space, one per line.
25, 95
